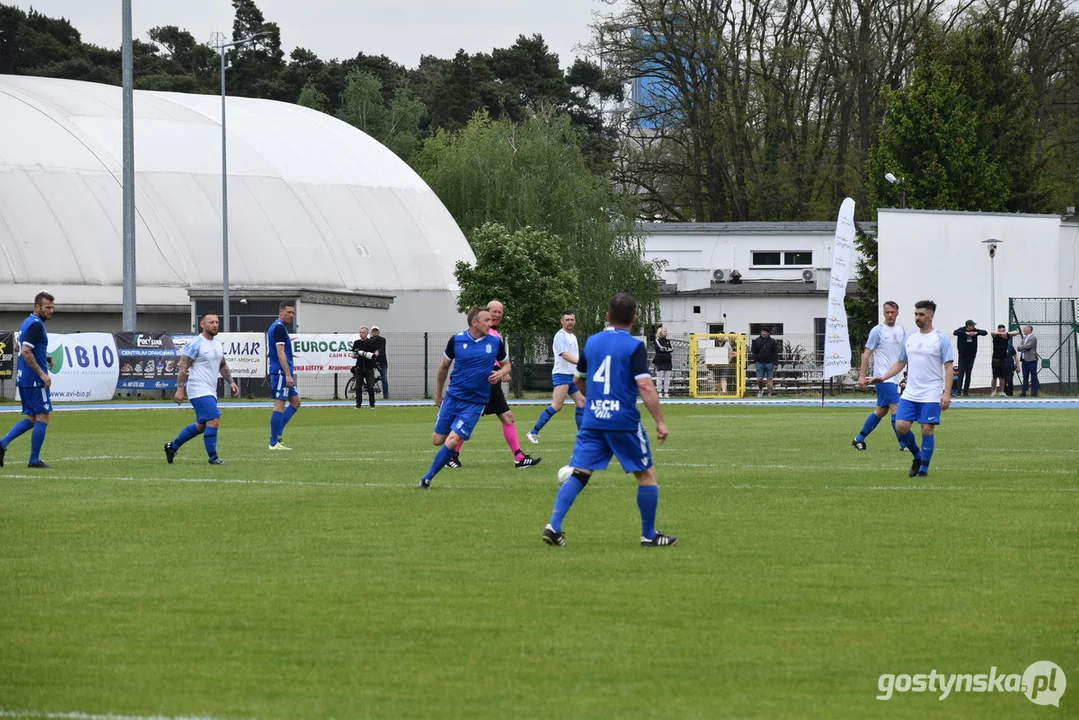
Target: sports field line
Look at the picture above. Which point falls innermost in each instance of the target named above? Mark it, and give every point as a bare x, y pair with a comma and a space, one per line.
545, 480
96, 716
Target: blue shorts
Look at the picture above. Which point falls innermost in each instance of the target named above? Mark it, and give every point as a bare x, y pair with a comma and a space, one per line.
279, 389
35, 400
460, 417
560, 379
766, 370
594, 448
887, 394
924, 413
205, 408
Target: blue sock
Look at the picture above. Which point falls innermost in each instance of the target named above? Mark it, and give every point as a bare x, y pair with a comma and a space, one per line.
443, 456
563, 501
289, 412
868, 426
210, 439
928, 443
647, 501
37, 439
186, 434
19, 428
910, 443
277, 424
578, 416
544, 418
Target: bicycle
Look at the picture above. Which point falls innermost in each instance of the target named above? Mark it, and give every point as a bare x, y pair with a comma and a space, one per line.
350, 386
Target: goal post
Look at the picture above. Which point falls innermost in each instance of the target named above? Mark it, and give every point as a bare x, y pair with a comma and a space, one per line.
717, 365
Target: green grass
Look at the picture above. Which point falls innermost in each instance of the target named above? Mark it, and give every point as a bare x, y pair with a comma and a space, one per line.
322, 584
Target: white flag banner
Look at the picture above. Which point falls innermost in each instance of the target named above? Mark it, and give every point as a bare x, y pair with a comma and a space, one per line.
836, 336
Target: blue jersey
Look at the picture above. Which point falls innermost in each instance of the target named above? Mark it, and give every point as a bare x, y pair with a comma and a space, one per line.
32, 333
611, 364
278, 335
473, 362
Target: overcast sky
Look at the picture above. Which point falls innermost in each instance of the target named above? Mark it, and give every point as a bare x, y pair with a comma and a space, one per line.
400, 29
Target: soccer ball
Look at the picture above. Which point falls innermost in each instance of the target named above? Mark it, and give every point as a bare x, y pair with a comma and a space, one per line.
563, 473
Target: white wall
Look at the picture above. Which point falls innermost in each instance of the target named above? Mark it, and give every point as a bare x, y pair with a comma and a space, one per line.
410, 311
1069, 259
940, 256
796, 314
734, 251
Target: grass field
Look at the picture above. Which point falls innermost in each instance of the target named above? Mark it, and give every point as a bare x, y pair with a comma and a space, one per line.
322, 583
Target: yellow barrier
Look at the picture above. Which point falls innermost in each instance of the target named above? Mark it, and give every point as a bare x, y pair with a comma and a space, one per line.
717, 365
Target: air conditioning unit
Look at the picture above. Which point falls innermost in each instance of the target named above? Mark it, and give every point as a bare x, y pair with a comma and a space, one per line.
721, 275
808, 275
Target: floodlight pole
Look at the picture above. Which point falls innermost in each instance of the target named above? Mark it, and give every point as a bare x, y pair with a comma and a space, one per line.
991, 245
129, 320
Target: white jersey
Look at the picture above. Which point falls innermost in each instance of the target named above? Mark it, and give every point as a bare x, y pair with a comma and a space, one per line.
886, 343
564, 342
206, 356
925, 355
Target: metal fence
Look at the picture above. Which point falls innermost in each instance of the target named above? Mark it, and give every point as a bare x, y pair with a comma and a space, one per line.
1055, 322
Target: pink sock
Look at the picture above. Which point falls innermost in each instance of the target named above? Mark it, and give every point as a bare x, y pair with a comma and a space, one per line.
460, 447
510, 433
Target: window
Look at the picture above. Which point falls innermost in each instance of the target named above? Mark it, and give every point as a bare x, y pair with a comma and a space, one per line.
755, 328
819, 328
714, 329
787, 258
696, 309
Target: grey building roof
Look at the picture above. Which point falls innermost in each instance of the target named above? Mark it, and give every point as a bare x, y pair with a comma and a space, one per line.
813, 227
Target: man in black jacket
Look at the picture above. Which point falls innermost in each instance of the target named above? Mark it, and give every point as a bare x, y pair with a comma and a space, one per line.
364, 351
968, 349
765, 354
380, 352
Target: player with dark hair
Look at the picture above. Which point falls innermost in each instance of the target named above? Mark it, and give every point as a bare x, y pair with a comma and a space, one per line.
611, 372
201, 361
33, 381
927, 355
472, 353
282, 376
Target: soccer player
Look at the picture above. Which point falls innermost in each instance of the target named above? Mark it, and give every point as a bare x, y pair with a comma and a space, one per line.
927, 356
884, 343
201, 361
472, 353
32, 379
282, 377
611, 372
566, 354
497, 405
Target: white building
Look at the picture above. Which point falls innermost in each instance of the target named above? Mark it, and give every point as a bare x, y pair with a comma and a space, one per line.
784, 270
318, 212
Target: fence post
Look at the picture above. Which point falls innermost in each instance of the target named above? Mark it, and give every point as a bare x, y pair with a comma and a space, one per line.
335, 395
518, 362
426, 369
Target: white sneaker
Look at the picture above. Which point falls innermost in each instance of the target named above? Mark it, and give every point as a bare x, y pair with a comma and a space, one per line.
532, 438
760, 393
279, 446
993, 394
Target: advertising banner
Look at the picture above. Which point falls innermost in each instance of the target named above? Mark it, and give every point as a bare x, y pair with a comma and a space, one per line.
7, 355
84, 367
836, 337
245, 353
148, 361
313, 354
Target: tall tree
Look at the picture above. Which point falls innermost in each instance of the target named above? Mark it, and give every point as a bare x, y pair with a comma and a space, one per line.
532, 174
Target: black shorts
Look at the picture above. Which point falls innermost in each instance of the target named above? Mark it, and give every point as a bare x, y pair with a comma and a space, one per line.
496, 404
1000, 368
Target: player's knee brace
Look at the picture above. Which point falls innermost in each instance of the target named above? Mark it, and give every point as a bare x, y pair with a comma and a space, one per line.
581, 477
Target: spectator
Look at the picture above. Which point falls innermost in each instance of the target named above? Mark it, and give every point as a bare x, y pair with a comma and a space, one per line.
664, 362
1002, 340
968, 350
728, 372
381, 360
765, 351
363, 350
1028, 355
1009, 365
